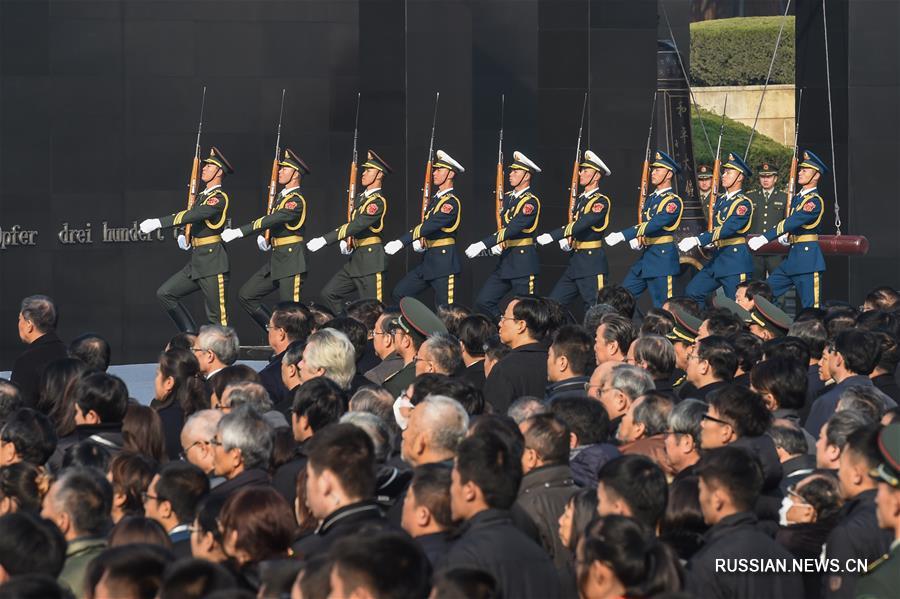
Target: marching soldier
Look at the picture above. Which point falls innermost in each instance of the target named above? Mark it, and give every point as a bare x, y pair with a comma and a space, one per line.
731, 263
804, 265
704, 185
514, 244
285, 268
660, 219
768, 209
436, 237
583, 237
882, 578
359, 238
208, 269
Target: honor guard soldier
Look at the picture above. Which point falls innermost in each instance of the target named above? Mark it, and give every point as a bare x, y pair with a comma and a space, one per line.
659, 221
805, 263
768, 209
514, 243
287, 263
583, 237
731, 262
359, 238
435, 236
704, 186
208, 269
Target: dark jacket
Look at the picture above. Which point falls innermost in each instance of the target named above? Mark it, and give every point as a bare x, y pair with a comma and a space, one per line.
573, 387
369, 359
270, 377
181, 542
400, 380
435, 546
804, 541
172, 417
359, 518
814, 387
796, 469
489, 541
701, 393
474, 374
29, 366
523, 371
543, 495
887, 385
764, 448
248, 478
391, 483
826, 404
732, 538
664, 385
285, 478
586, 462
387, 367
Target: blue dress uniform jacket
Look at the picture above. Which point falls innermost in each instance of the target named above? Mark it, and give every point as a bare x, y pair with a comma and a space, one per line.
732, 220
590, 219
662, 215
520, 215
439, 228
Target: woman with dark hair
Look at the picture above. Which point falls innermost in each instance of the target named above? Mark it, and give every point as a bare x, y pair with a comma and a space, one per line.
182, 341
619, 557
138, 529
130, 475
236, 373
682, 525
22, 488
142, 433
580, 510
179, 391
54, 398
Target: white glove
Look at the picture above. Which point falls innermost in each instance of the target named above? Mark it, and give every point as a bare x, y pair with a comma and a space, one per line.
783, 240
754, 243
497, 250
391, 247
314, 245
183, 243
345, 248
475, 249
564, 244
231, 235
150, 225
418, 246
614, 239
262, 243
545, 238
634, 243
688, 243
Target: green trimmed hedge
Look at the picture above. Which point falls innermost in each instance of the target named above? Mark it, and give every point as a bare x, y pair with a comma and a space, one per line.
734, 139
738, 51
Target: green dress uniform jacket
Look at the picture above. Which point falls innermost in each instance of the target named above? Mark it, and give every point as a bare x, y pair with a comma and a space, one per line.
207, 219
286, 224
365, 225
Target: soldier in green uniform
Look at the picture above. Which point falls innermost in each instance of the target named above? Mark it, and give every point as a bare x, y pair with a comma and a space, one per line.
208, 269
768, 211
704, 186
285, 269
882, 580
360, 239
415, 324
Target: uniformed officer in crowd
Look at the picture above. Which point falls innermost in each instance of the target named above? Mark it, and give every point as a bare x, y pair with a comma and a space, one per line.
660, 218
731, 262
435, 236
519, 264
704, 186
683, 337
804, 265
419, 323
882, 580
360, 239
286, 266
768, 321
583, 237
208, 269
768, 204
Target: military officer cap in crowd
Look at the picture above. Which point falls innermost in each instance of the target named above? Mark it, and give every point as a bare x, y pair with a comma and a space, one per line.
704, 172
291, 160
737, 163
687, 326
720, 300
889, 447
770, 317
522, 162
810, 160
663, 160
218, 158
445, 160
417, 320
375, 161
593, 161
767, 168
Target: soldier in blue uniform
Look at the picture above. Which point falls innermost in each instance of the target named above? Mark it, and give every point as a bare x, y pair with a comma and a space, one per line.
514, 243
583, 237
436, 237
731, 263
209, 268
804, 265
287, 263
661, 216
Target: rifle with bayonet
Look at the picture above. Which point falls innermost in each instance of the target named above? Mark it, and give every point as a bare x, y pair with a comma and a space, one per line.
645, 171
717, 171
426, 186
573, 186
273, 179
195, 168
351, 186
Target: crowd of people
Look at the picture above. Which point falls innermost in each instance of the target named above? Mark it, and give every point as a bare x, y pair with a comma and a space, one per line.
392, 452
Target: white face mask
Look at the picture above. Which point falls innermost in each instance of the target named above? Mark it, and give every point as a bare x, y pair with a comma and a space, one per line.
786, 504
401, 402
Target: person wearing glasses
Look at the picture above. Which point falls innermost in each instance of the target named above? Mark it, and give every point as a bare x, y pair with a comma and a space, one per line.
415, 324
439, 354
172, 498
710, 366
215, 348
196, 448
683, 437
242, 449
384, 347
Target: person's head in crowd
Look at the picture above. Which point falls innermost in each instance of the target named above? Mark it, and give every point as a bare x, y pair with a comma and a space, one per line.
721, 323
87, 454
813, 335
196, 436
11, 399
735, 412
620, 387
424, 385
789, 440
321, 315
435, 429
291, 322
27, 436
878, 320
634, 486
546, 442
139, 529
142, 432
383, 333
839, 318
867, 400
580, 509
452, 315
614, 336
29, 544
682, 525
684, 432
464, 583
206, 536
22, 488
92, 349
316, 404
486, 475
881, 298
781, 383
130, 475
439, 353
470, 397
811, 314
37, 317
593, 315
833, 437
619, 298
194, 579
354, 330
79, 503
290, 361
130, 571
890, 354
655, 354
386, 565
257, 525
426, 507
525, 407
816, 498
713, 360
328, 353
656, 322
859, 457
850, 353
731, 480
682, 303
377, 430
749, 350
560, 316
340, 470
620, 557
586, 419
494, 351
243, 441
746, 292
254, 395
473, 332
792, 349
366, 311
525, 320
375, 400
504, 428
647, 416
174, 493
179, 380
571, 354
99, 398
216, 347
230, 375
181, 341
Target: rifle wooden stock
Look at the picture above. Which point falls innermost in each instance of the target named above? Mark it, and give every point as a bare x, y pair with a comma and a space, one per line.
573, 191
498, 193
351, 194
270, 202
192, 194
791, 186
714, 191
426, 188
642, 190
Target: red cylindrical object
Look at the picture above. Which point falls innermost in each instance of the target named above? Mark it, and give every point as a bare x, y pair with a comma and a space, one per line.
831, 245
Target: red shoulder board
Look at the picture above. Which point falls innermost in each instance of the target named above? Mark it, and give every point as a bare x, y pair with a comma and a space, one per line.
741, 210
671, 207
446, 208
291, 205
371, 208
528, 209
212, 201
597, 207
809, 206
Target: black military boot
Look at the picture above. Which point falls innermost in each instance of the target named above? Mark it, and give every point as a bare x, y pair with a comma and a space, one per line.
182, 319
261, 316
